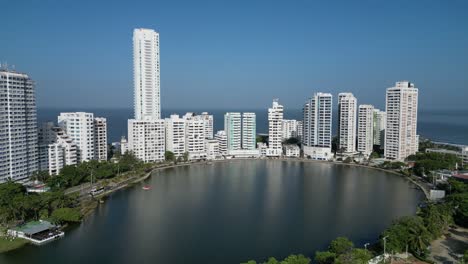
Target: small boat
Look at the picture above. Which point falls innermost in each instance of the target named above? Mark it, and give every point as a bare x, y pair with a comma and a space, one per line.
146, 187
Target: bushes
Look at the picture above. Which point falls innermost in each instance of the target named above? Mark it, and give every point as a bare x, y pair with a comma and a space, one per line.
66, 215
426, 162
17, 205
73, 175
342, 251
292, 259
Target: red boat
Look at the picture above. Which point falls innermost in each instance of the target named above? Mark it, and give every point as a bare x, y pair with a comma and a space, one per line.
146, 187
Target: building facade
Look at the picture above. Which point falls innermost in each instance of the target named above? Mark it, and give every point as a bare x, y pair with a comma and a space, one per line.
208, 124
233, 130
401, 139
175, 135
347, 106
317, 127
290, 129
249, 131
146, 139
146, 74
88, 133
365, 129
195, 136
56, 149
275, 121
222, 141
18, 126
212, 149
100, 138
380, 122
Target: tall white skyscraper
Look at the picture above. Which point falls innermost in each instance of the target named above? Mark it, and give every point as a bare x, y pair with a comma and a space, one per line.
401, 139
18, 126
175, 135
146, 69
347, 106
249, 131
380, 122
146, 138
233, 130
365, 129
317, 127
275, 121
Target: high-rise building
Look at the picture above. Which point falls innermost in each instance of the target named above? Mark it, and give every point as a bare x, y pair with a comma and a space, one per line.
300, 129
317, 127
275, 121
56, 149
290, 128
80, 127
46, 136
249, 131
18, 126
146, 69
380, 121
233, 130
347, 106
87, 132
175, 135
146, 139
195, 136
100, 138
222, 140
365, 129
401, 139
208, 124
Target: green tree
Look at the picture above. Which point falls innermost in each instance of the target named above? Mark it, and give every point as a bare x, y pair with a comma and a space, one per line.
296, 259
169, 156
407, 231
325, 257
186, 156
272, 261
66, 215
374, 155
341, 245
355, 256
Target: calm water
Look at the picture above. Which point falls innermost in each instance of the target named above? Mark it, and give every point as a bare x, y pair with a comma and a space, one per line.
441, 125
231, 212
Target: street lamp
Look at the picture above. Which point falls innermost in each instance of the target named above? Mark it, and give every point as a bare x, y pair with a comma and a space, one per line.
384, 247
365, 245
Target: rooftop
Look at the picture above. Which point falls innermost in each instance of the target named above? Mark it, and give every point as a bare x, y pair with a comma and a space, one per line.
34, 227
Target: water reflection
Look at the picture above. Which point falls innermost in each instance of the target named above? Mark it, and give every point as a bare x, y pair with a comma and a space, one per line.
231, 212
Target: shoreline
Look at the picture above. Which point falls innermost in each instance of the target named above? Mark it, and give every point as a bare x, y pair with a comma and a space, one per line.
149, 174
88, 206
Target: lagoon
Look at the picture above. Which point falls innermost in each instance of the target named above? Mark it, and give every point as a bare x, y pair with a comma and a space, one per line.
233, 211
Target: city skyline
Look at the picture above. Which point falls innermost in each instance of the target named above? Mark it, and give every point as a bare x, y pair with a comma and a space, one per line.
246, 60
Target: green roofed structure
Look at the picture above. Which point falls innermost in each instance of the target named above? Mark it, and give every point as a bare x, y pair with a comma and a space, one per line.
38, 232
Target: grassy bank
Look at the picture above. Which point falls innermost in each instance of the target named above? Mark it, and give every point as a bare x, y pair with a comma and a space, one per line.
8, 244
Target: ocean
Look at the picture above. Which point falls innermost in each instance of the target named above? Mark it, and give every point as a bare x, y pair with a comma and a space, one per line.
449, 126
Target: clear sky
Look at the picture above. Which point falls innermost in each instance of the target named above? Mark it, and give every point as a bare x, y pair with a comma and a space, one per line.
240, 54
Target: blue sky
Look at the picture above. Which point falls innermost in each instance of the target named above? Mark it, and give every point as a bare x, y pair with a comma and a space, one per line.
240, 54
